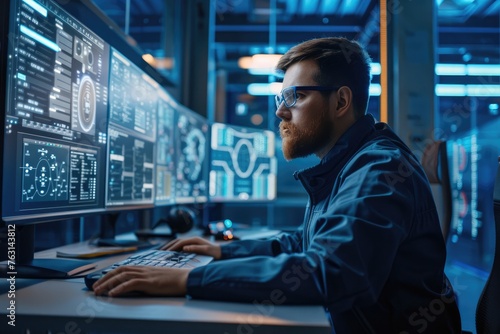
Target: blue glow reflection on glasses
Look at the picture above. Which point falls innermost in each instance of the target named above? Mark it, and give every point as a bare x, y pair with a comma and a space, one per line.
289, 94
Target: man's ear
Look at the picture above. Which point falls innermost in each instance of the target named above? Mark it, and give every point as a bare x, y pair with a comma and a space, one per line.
344, 100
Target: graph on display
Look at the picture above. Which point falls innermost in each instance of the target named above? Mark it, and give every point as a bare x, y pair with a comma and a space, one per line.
243, 164
191, 149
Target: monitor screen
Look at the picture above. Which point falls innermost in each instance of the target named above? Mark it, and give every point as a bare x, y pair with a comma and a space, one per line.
165, 150
191, 151
55, 115
133, 102
472, 164
242, 164
473, 160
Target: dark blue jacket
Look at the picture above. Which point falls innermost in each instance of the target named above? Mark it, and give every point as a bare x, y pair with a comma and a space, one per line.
370, 248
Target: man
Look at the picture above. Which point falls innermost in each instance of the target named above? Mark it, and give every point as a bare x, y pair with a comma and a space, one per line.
370, 248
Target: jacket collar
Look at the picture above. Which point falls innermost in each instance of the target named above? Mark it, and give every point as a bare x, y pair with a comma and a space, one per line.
317, 180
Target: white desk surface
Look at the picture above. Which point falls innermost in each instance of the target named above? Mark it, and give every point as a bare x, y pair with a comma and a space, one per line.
67, 306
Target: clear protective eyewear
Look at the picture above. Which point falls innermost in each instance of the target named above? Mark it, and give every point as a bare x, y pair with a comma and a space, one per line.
289, 94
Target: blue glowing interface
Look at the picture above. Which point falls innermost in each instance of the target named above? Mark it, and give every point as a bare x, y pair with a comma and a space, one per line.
243, 164
133, 103
165, 153
191, 147
55, 114
88, 131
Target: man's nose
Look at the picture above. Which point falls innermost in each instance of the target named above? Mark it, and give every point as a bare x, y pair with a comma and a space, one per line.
282, 112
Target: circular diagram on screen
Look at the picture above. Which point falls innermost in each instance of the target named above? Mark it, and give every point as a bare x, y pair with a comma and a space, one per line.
244, 158
194, 152
86, 104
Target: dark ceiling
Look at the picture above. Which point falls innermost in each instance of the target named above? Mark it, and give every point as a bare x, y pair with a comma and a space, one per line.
458, 11
466, 27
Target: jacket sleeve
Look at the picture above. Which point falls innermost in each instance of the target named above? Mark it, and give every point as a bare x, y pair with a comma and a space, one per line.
284, 242
350, 246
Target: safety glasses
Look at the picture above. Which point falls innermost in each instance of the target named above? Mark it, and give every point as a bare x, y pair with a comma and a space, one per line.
289, 94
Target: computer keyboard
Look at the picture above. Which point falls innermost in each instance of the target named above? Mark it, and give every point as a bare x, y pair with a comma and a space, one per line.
156, 258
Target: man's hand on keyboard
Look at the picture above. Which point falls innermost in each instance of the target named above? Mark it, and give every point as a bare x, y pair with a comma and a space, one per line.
157, 281
195, 245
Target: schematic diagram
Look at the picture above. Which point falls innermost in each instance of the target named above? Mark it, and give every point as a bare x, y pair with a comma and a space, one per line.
243, 163
192, 159
44, 171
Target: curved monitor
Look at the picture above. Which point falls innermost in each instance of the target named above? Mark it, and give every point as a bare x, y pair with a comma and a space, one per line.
242, 164
55, 115
133, 102
85, 120
182, 154
165, 150
191, 147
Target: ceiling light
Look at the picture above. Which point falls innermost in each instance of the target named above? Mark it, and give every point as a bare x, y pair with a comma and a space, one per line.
260, 64
158, 63
264, 88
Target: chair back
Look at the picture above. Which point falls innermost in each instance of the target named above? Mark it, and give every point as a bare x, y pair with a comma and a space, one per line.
488, 306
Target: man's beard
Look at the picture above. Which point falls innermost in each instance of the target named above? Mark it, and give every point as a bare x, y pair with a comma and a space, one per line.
298, 143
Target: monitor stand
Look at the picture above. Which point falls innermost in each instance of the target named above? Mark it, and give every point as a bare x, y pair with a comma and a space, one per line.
24, 265
107, 235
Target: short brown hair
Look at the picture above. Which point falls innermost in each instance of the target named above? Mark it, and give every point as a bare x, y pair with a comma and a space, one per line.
341, 62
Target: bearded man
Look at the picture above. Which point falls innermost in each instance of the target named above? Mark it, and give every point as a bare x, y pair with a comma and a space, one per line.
370, 248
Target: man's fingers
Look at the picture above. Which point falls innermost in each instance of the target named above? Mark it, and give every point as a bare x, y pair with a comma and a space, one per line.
179, 244
115, 278
195, 249
170, 244
130, 285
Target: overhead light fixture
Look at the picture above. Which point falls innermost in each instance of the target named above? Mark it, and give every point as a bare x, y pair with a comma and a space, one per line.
265, 64
468, 69
375, 68
450, 69
483, 69
467, 90
158, 63
148, 57
260, 64
375, 89
450, 90
273, 88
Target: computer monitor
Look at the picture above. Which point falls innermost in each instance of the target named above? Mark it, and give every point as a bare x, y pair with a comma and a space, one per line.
133, 103
191, 150
165, 149
55, 115
243, 164
55, 87
473, 160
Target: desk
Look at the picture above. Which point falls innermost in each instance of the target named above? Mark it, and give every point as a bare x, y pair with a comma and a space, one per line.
66, 306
